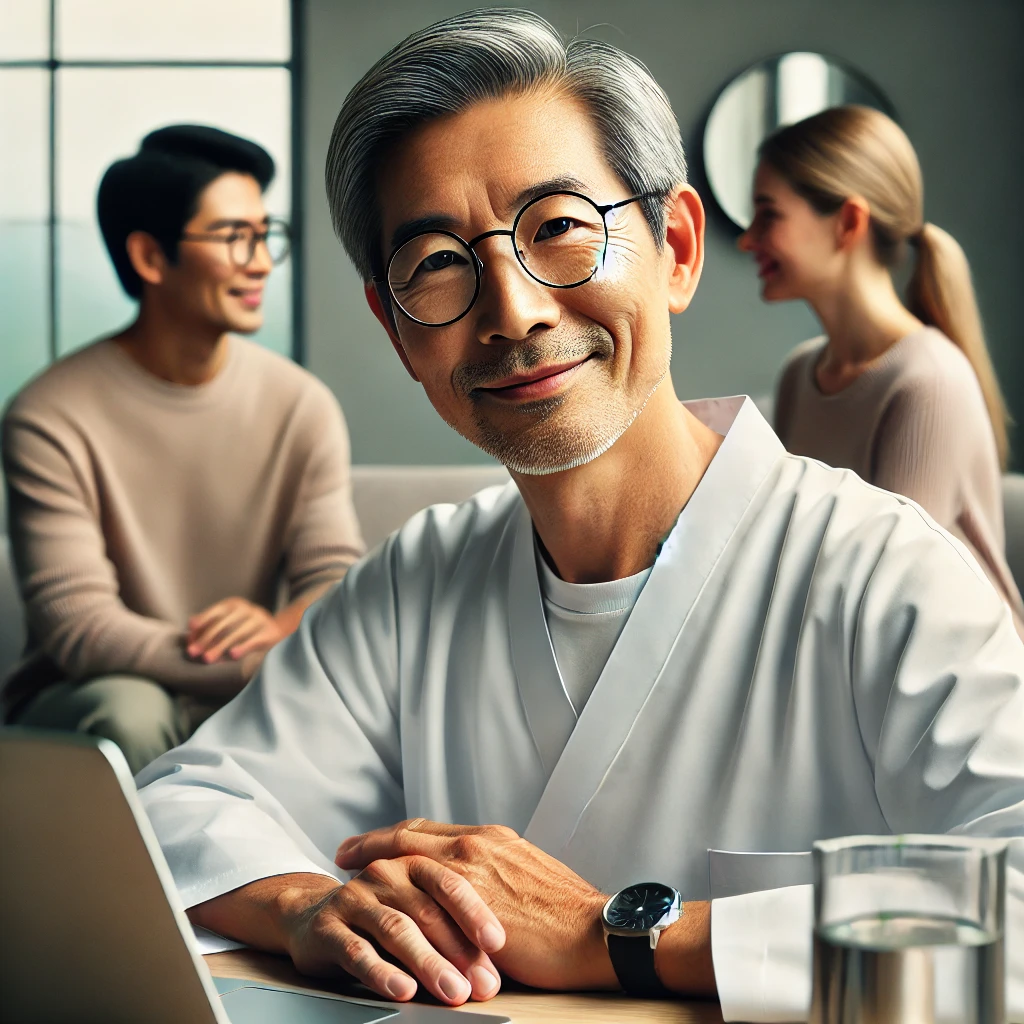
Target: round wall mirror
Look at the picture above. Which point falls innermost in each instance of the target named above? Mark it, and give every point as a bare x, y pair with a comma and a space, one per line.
774, 92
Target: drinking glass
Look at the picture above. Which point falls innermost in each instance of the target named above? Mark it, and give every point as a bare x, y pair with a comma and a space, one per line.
909, 930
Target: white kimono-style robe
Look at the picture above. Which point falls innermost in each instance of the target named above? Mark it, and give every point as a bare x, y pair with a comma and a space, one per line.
810, 657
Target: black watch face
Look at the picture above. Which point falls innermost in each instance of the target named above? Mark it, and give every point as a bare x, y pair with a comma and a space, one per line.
640, 907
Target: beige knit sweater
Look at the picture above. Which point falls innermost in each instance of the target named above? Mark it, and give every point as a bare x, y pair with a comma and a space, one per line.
134, 503
915, 423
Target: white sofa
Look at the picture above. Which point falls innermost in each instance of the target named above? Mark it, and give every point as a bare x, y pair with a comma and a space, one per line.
384, 497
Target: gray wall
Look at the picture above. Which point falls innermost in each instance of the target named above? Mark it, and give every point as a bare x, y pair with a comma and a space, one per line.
952, 68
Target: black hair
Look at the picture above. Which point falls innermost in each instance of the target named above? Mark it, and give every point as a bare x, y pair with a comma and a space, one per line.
157, 190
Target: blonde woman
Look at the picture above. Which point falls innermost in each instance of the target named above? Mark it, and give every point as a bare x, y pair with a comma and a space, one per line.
903, 393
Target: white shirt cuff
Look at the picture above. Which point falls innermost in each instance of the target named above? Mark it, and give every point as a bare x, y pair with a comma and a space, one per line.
761, 946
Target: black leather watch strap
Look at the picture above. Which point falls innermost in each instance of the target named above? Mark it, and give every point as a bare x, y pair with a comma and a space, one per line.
633, 960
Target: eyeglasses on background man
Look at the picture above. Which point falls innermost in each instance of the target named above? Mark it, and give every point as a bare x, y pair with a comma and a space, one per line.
242, 237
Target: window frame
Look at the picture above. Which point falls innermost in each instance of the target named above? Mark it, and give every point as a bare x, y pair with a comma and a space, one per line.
52, 64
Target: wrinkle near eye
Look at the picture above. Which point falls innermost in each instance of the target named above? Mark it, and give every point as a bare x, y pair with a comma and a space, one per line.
621, 255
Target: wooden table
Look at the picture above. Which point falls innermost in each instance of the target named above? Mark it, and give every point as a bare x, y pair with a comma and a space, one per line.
523, 1006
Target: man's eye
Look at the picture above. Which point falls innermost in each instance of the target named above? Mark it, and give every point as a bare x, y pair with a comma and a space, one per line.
552, 228
440, 260
234, 237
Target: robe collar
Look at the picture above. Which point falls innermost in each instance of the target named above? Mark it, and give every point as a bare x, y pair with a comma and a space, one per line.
576, 755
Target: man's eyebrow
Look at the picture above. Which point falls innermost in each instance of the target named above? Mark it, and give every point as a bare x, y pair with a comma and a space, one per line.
444, 222
563, 183
431, 222
763, 200
232, 223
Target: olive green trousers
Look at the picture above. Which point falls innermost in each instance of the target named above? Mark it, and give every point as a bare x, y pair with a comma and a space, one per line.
140, 716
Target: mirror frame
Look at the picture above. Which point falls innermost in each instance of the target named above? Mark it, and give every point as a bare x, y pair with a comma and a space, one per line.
884, 104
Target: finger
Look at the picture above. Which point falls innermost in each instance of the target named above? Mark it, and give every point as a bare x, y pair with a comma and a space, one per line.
418, 837
407, 838
198, 621
195, 631
209, 636
456, 894
200, 639
242, 631
356, 955
448, 939
397, 933
260, 641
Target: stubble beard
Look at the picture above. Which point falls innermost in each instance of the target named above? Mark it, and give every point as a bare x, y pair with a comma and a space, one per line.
554, 438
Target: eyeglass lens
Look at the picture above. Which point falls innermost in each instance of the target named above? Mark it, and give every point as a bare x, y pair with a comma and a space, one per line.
559, 241
243, 240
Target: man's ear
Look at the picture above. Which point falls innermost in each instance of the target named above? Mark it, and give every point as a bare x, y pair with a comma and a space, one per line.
147, 257
377, 308
853, 223
684, 246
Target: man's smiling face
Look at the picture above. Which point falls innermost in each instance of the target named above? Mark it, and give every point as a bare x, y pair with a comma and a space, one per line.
542, 378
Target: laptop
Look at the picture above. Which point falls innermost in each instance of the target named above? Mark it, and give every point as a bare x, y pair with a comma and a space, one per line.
93, 928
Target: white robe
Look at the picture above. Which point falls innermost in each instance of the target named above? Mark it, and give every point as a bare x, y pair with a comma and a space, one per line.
810, 657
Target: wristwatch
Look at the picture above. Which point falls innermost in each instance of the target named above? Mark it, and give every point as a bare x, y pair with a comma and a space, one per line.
633, 920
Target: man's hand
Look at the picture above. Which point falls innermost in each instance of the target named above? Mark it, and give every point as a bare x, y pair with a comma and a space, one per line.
233, 627
417, 911
551, 916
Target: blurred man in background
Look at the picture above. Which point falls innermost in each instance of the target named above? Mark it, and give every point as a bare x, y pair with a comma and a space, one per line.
168, 483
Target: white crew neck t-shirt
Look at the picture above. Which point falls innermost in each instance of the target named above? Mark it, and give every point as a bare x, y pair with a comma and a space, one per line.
584, 621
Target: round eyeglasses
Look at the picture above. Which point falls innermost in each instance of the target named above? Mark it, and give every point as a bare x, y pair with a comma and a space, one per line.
243, 238
560, 239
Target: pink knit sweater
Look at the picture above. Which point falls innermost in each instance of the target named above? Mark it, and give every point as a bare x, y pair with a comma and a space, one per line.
135, 503
915, 423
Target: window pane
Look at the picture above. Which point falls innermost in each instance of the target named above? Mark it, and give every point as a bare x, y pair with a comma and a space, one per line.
253, 102
24, 211
24, 29
173, 30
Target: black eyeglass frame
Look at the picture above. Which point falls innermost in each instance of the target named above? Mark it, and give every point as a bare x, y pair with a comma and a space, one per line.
257, 237
478, 265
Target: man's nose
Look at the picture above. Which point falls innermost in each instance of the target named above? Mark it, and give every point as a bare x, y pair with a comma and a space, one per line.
261, 264
745, 243
511, 304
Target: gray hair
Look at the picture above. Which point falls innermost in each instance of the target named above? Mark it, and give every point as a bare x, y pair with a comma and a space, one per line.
485, 54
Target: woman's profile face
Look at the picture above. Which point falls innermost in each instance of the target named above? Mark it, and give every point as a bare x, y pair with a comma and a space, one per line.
793, 245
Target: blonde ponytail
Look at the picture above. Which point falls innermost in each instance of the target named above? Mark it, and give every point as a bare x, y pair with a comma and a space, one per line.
940, 293
853, 150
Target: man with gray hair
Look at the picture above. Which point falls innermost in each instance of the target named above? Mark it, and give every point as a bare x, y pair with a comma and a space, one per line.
667, 635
